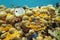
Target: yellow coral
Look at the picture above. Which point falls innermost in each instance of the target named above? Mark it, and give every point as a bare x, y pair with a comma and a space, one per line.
57, 18
12, 35
35, 27
9, 16
3, 13
36, 13
47, 38
39, 37
6, 28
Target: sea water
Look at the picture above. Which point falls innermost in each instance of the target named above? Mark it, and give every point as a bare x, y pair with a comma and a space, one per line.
30, 3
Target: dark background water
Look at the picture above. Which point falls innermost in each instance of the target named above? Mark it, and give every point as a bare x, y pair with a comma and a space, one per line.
30, 3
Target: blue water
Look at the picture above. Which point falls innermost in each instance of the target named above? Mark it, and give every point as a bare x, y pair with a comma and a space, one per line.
30, 3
